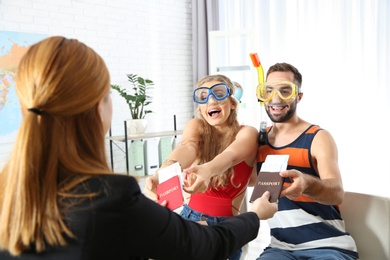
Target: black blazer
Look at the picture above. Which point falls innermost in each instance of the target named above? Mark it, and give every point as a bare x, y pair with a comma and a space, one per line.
121, 223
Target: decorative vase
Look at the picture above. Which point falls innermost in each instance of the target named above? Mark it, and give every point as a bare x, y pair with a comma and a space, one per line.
137, 126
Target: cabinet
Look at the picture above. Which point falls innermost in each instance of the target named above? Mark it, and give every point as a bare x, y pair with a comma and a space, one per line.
126, 138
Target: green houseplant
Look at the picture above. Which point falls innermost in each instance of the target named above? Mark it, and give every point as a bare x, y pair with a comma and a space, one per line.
138, 99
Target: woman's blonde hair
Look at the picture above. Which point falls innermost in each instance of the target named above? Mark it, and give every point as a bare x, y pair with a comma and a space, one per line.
60, 142
213, 142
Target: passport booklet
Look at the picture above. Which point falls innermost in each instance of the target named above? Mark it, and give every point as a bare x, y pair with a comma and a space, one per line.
269, 179
170, 186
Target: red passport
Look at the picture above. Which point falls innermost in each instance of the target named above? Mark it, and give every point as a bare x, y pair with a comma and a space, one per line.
170, 190
268, 181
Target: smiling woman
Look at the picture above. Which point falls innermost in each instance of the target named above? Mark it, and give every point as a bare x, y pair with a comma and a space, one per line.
216, 153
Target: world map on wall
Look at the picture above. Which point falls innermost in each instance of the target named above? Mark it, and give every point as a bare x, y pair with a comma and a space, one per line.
13, 45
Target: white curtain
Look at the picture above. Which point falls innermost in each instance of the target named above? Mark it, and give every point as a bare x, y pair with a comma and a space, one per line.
342, 48
204, 19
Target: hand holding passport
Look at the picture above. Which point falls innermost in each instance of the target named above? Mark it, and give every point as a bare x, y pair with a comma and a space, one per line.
170, 186
268, 178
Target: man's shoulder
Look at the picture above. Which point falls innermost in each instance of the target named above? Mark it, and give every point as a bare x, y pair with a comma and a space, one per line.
311, 129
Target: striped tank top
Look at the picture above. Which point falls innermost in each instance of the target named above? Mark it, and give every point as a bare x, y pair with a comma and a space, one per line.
303, 223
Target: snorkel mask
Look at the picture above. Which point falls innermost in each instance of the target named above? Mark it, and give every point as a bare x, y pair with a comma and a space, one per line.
286, 90
218, 91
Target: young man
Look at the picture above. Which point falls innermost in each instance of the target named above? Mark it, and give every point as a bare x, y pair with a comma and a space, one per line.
308, 222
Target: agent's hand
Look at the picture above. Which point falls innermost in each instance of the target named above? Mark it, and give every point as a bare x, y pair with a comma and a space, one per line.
263, 208
150, 189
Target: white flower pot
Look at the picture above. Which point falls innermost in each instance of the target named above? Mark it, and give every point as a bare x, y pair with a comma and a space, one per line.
137, 126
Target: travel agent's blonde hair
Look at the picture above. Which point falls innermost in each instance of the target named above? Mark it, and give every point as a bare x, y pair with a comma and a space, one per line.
212, 142
60, 142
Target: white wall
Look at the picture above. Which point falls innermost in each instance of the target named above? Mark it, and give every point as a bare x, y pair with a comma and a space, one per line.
151, 38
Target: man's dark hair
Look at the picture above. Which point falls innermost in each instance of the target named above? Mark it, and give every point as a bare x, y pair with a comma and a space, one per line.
287, 67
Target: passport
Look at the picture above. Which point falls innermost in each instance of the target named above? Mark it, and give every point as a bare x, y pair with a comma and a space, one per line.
170, 186
268, 178
268, 181
171, 191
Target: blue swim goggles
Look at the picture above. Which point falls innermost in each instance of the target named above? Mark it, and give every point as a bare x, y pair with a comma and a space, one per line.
219, 91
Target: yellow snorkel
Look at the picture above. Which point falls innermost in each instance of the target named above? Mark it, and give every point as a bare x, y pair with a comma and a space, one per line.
260, 75
256, 63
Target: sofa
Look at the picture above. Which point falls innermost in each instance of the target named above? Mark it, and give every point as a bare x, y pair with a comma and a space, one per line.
367, 219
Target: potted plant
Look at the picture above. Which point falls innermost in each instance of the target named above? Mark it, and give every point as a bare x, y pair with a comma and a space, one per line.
137, 100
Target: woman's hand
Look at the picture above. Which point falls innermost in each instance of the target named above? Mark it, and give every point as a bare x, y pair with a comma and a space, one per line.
194, 182
151, 183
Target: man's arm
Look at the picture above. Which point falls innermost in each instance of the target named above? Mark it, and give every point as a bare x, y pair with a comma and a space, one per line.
328, 189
